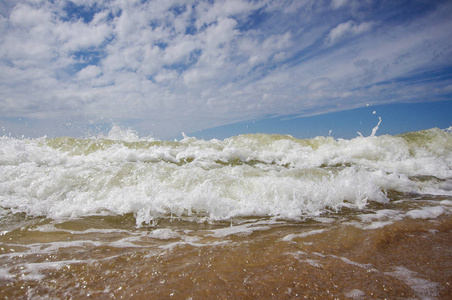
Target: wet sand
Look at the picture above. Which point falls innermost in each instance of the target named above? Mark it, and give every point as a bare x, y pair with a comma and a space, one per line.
409, 259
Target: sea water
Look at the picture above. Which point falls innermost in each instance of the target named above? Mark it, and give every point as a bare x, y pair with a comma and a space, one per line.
253, 215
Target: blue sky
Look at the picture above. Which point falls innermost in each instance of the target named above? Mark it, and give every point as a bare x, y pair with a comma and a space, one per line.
219, 68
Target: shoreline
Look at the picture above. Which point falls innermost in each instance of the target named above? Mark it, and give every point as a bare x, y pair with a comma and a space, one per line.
408, 259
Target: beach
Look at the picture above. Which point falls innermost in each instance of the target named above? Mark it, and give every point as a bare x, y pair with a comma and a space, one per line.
254, 216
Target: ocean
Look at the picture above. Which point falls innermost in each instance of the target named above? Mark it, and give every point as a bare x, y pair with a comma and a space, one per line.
251, 216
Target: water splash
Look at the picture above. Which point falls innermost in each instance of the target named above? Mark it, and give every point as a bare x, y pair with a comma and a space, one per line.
374, 130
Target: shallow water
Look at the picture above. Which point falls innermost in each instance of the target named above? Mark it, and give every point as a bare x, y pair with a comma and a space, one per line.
347, 254
255, 216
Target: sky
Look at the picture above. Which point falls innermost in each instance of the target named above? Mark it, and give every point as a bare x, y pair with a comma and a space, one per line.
219, 68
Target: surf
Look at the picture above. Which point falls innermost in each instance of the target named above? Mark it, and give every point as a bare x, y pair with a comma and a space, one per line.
242, 176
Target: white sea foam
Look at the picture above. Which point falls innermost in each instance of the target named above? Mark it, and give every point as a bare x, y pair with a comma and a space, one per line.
193, 243
290, 237
426, 212
127, 135
424, 288
5, 274
164, 234
249, 175
355, 294
368, 267
242, 229
375, 225
32, 271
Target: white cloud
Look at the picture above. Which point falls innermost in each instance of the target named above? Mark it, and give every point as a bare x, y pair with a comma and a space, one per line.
347, 29
222, 32
25, 16
208, 13
68, 34
166, 76
89, 72
338, 3
185, 65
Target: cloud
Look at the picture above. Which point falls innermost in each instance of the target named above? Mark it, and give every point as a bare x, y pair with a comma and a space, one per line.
183, 65
347, 29
207, 13
89, 72
338, 3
